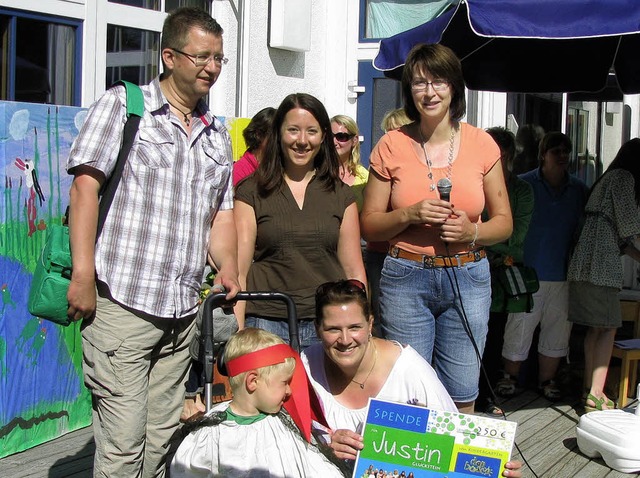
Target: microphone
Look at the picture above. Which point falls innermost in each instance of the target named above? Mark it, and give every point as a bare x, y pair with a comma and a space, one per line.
444, 189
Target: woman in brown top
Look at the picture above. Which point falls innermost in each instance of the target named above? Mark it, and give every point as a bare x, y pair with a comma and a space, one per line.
297, 222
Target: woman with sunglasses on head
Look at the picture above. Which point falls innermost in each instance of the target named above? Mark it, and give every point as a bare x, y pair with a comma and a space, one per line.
350, 366
297, 222
435, 290
352, 173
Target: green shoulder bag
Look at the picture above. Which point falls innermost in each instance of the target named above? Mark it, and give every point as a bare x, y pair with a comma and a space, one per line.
52, 276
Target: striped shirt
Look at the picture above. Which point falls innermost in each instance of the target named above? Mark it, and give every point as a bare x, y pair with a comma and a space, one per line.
153, 247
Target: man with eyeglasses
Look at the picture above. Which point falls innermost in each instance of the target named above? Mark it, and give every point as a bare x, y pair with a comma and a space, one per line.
137, 287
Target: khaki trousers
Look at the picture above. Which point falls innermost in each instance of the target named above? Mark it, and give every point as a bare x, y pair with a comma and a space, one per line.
135, 367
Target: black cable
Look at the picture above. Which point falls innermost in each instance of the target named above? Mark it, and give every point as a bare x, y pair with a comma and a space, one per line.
467, 329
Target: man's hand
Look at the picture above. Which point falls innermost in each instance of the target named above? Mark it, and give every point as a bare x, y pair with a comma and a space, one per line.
82, 299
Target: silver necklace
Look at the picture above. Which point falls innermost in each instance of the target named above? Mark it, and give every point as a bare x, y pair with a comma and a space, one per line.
375, 358
432, 186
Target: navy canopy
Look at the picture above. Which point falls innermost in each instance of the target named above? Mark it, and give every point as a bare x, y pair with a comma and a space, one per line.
532, 45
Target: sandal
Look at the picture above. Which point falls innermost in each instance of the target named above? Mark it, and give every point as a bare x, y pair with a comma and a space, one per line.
550, 390
507, 386
599, 404
493, 410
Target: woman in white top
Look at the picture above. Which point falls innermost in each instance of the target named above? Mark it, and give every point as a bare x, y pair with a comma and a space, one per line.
350, 366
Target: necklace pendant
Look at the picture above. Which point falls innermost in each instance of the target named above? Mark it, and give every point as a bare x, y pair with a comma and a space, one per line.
362, 386
432, 187
430, 175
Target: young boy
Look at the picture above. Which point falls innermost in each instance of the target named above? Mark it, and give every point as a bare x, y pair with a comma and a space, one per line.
251, 435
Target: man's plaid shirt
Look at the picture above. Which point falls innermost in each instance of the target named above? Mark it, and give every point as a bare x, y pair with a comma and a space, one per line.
153, 248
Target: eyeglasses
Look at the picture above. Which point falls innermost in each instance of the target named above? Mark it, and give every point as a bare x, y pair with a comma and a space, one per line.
346, 286
437, 85
202, 60
343, 137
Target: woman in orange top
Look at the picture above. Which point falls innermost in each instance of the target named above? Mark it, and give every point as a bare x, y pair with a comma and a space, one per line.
436, 256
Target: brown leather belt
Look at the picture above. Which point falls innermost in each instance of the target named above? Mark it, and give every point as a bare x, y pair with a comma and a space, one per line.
456, 260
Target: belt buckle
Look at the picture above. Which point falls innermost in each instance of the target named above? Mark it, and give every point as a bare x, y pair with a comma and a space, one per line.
394, 252
428, 262
477, 255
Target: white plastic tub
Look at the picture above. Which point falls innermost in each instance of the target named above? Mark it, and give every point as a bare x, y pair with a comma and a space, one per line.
612, 434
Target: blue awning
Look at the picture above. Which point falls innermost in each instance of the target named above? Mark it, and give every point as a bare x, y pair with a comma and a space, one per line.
532, 45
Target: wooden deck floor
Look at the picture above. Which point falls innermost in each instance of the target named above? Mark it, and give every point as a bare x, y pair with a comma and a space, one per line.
546, 435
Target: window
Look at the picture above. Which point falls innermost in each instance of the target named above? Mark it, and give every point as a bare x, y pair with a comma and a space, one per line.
169, 5
149, 4
385, 18
132, 55
39, 59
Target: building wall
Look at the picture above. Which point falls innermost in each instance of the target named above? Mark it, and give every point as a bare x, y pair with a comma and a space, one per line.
256, 75
267, 74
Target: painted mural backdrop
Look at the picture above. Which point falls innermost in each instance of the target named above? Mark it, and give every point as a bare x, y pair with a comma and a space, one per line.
42, 395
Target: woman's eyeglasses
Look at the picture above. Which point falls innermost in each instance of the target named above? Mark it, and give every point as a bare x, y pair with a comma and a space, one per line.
357, 284
343, 137
349, 286
422, 85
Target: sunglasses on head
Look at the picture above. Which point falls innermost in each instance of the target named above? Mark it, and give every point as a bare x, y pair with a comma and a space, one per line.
343, 137
349, 286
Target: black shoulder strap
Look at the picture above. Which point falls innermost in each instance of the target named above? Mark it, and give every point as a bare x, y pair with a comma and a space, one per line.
135, 110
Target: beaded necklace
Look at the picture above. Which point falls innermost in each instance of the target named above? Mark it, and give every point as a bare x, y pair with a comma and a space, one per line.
432, 186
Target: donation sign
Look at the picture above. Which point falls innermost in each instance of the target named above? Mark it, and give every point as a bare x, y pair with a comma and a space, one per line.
411, 441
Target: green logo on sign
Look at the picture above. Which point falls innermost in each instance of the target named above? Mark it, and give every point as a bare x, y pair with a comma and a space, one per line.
430, 451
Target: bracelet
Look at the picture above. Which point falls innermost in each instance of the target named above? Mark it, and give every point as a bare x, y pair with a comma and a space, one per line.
472, 244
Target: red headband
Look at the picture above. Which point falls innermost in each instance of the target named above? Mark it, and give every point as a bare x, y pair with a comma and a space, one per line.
303, 404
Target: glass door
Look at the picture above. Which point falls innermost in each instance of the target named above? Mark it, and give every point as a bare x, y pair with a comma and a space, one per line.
380, 95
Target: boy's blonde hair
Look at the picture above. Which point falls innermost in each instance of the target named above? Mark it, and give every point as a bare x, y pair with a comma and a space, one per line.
394, 119
251, 340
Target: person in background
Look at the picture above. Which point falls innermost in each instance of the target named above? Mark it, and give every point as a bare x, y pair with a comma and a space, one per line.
559, 200
297, 221
394, 119
347, 142
255, 136
504, 253
148, 262
376, 251
432, 238
350, 366
527, 146
611, 225
251, 435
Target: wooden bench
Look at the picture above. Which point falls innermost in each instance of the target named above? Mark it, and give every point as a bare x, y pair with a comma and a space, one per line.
628, 357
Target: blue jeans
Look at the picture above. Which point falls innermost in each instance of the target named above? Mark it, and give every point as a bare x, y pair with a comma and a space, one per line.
421, 308
280, 327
